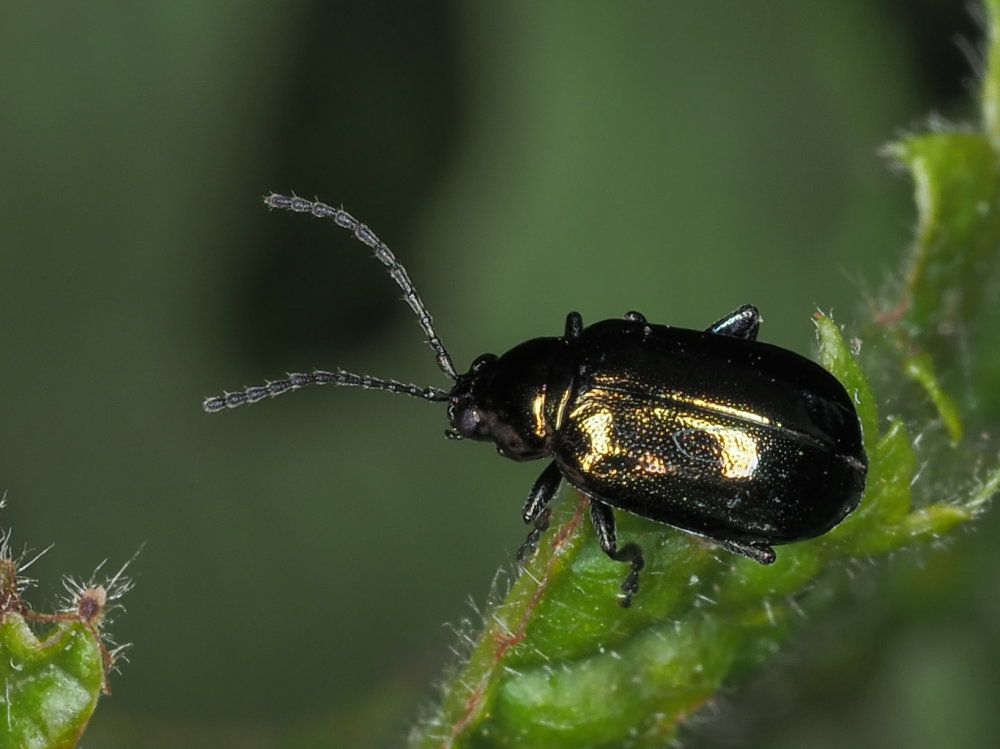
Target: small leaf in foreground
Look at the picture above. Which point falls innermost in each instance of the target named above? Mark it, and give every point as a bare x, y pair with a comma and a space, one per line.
50, 682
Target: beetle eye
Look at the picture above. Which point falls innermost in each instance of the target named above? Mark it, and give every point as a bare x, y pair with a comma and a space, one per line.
468, 422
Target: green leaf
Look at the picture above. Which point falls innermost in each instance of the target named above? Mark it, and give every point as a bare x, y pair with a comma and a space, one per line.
957, 185
50, 684
559, 664
921, 368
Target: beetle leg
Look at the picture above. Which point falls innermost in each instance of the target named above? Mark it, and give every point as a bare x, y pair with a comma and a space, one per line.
638, 317
603, 518
536, 508
743, 322
574, 325
542, 492
758, 552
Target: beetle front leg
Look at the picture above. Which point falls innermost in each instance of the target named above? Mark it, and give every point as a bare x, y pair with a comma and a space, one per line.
603, 518
536, 508
743, 322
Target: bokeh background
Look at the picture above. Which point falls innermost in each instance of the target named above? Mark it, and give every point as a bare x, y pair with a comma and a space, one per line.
303, 557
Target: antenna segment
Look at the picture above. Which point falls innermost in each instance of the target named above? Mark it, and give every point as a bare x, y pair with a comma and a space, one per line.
296, 380
363, 234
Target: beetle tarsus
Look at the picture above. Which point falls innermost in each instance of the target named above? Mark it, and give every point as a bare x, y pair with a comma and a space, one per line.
742, 322
761, 553
632, 554
530, 545
603, 518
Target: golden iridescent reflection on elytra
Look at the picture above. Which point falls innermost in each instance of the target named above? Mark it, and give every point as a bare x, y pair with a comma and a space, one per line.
538, 412
733, 451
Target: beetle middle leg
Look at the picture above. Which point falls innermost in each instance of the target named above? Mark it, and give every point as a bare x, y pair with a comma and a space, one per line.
603, 518
742, 322
574, 326
536, 508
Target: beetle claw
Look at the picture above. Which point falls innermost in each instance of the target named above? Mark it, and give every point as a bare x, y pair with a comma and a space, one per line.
632, 554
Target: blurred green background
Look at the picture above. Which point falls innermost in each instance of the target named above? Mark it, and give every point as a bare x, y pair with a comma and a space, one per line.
523, 159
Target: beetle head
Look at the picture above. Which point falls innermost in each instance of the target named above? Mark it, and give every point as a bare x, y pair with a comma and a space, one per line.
506, 400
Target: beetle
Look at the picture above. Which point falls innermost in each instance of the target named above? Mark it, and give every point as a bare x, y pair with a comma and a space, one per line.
709, 431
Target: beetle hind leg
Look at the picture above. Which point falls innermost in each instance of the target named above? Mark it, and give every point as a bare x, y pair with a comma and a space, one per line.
757, 552
603, 518
632, 555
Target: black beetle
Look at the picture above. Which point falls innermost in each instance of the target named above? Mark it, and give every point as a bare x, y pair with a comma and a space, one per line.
712, 432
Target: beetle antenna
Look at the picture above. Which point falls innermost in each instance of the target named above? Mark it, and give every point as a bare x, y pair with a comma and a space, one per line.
296, 380
363, 234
